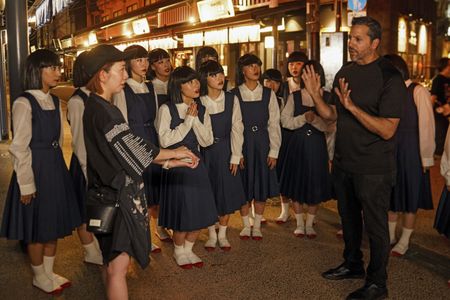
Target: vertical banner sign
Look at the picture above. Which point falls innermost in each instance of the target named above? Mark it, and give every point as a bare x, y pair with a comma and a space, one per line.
356, 8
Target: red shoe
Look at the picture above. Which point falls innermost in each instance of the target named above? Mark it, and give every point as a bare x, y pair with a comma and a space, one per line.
244, 237
340, 234
396, 254
257, 238
198, 265
186, 267
224, 245
210, 249
256, 234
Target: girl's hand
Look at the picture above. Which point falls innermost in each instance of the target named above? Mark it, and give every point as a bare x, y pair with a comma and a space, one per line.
241, 164
271, 162
176, 163
26, 199
310, 116
192, 109
233, 169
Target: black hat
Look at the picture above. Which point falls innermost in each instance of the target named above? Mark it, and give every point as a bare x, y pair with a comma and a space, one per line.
297, 56
102, 55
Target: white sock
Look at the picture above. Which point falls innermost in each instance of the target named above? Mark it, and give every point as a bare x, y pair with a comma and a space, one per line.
178, 249
91, 249
49, 261
392, 226
246, 221
212, 232
188, 246
222, 232
284, 209
257, 222
299, 219
309, 220
39, 272
404, 238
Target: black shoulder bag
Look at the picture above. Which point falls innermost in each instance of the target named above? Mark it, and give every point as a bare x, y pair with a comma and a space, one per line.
102, 205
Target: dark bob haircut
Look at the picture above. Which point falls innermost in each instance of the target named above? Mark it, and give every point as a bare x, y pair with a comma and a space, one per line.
318, 69
80, 77
245, 60
442, 63
374, 26
178, 77
39, 59
274, 75
138, 52
153, 56
399, 64
297, 56
208, 68
203, 53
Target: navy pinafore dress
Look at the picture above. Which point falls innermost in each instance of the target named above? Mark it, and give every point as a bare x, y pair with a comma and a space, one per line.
285, 139
413, 189
228, 190
141, 110
187, 200
78, 179
442, 220
54, 212
305, 177
260, 183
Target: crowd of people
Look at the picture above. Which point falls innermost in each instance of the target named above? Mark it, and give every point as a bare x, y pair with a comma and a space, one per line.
185, 149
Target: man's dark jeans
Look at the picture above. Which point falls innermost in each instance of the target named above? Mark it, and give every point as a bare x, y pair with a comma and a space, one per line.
365, 197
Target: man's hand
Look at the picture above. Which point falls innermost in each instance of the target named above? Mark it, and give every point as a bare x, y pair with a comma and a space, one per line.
343, 93
311, 80
271, 162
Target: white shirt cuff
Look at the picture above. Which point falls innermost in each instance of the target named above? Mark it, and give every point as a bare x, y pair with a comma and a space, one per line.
27, 189
273, 153
427, 162
235, 159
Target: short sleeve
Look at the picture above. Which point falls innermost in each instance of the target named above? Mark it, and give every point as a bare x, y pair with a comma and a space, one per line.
435, 86
392, 97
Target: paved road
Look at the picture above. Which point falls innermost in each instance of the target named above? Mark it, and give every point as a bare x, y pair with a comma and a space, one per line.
281, 266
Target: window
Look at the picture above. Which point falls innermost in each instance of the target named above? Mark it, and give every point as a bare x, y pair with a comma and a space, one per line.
105, 18
132, 7
117, 13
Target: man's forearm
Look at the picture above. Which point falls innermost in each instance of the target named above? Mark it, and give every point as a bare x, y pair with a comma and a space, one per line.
384, 127
326, 111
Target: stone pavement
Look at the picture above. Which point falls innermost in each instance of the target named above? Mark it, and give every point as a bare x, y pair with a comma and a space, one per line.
281, 266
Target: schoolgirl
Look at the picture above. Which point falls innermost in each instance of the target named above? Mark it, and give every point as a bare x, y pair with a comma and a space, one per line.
262, 139
116, 161
40, 205
209, 53
296, 61
187, 200
223, 156
159, 72
305, 174
139, 106
414, 151
442, 220
78, 164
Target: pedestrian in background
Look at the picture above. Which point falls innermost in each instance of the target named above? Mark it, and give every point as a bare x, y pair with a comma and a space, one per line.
209, 53
159, 72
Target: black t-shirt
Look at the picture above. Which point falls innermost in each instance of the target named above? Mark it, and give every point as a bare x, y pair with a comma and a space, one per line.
112, 149
379, 90
441, 89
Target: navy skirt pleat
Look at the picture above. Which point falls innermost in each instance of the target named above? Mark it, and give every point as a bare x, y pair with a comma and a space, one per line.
79, 185
442, 221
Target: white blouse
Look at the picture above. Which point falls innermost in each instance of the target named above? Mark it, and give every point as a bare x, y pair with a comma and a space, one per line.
168, 136
20, 146
422, 99
215, 106
120, 101
75, 111
273, 124
160, 86
293, 86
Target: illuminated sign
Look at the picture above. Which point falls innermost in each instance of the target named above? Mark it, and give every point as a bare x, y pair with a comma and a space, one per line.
216, 37
210, 10
193, 39
402, 36
141, 26
422, 48
244, 34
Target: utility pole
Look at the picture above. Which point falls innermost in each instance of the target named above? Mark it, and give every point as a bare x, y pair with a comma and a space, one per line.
17, 27
313, 29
